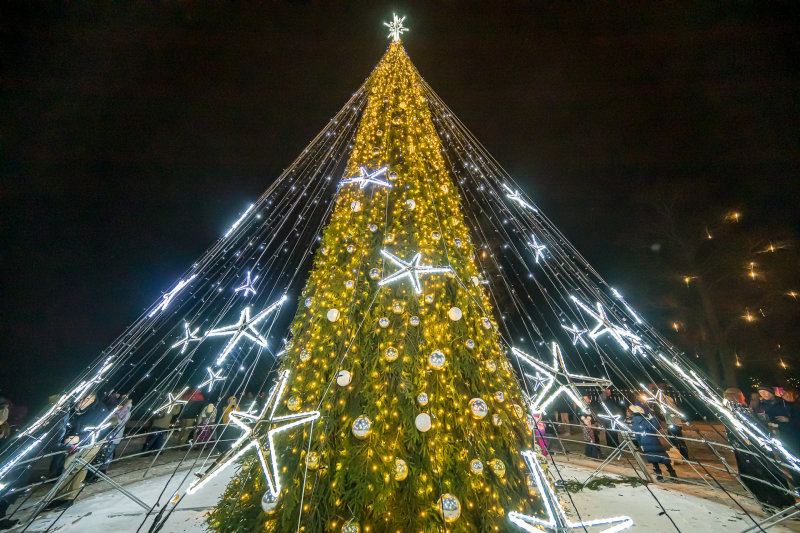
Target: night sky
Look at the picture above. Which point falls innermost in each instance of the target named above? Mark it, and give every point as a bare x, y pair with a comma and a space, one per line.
131, 136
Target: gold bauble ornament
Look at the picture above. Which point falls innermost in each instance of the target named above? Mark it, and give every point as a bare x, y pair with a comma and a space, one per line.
496, 420
383, 322
499, 468
305, 355
491, 366
414, 321
312, 460
422, 398
518, 410
400, 470
375, 273
390, 354
397, 307
449, 508
362, 427
500, 396
293, 403
476, 466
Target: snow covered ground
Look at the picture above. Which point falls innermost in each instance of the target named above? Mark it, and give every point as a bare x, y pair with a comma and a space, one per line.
109, 511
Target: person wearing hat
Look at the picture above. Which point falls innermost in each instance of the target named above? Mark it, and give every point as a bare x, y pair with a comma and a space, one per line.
645, 427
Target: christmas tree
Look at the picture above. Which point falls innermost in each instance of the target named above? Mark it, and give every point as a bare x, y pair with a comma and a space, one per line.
420, 416
442, 316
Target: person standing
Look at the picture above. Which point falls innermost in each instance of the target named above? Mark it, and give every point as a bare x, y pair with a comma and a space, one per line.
673, 421
590, 436
606, 401
645, 427
205, 423
119, 419
159, 427
84, 440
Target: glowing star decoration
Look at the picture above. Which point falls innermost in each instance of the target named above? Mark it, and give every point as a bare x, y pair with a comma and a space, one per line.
249, 423
189, 336
555, 379
213, 377
637, 346
658, 399
615, 420
172, 401
167, 298
556, 517
577, 334
244, 328
604, 324
619, 297
239, 220
516, 196
396, 27
365, 178
538, 249
247, 287
410, 269
734, 420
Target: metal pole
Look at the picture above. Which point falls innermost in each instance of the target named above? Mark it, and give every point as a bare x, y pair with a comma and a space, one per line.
158, 453
114, 484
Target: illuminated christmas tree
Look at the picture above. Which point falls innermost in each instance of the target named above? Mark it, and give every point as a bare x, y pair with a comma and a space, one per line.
395, 349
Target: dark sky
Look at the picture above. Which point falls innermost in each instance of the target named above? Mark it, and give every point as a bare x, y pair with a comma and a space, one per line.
131, 136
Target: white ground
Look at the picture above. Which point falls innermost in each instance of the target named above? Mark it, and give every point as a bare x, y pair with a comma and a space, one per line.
109, 511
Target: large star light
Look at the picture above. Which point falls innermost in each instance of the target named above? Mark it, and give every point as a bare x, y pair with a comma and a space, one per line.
604, 324
556, 379
410, 269
396, 27
577, 334
516, 196
557, 519
188, 337
365, 178
616, 420
247, 287
249, 423
167, 298
244, 328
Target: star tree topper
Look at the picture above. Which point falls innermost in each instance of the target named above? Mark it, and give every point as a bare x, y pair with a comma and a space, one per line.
396, 27
250, 423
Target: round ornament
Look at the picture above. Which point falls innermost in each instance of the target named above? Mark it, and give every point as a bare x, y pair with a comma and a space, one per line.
422, 398
324, 250
390, 354
530, 422
389, 238
437, 360
373, 228
475, 280
288, 345
268, 503
449, 507
305, 355
344, 378
400, 470
436, 235
423, 422
379, 132
445, 189
507, 367
333, 315
496, 420
414, 321
362, 427
293, 403
530, 481
491, 366
393, 175
375, 273
312, 460
351, 248
500, 396
486, 323
429, 298
499, 468
478, 408
397, 308
476, 466
349, 284
309, 301
470, 343
518, 410
383, 322
351, 527
458, 243
455, 314
355, 206
411, 204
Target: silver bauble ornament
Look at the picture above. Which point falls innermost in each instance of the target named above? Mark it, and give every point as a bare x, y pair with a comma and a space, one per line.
457, 243
423, 422
383, 322
437, 360
268, 502
305, 355
449, 507
429, 298
455, 314
375, 273
293, 403
496, 420
411, 204
355, 206
333, 315
414, 321
373, 228
436, 235
349, 284
309, 301
362, 427
476, 466
470, 343
500, 396
422, 398
344, 378
351, 248
486, 323
478, 408
390, 354
351, 527
491, 366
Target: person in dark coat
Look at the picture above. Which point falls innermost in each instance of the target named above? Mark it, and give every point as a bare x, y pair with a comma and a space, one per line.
612, 437
763, 478
645, 428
